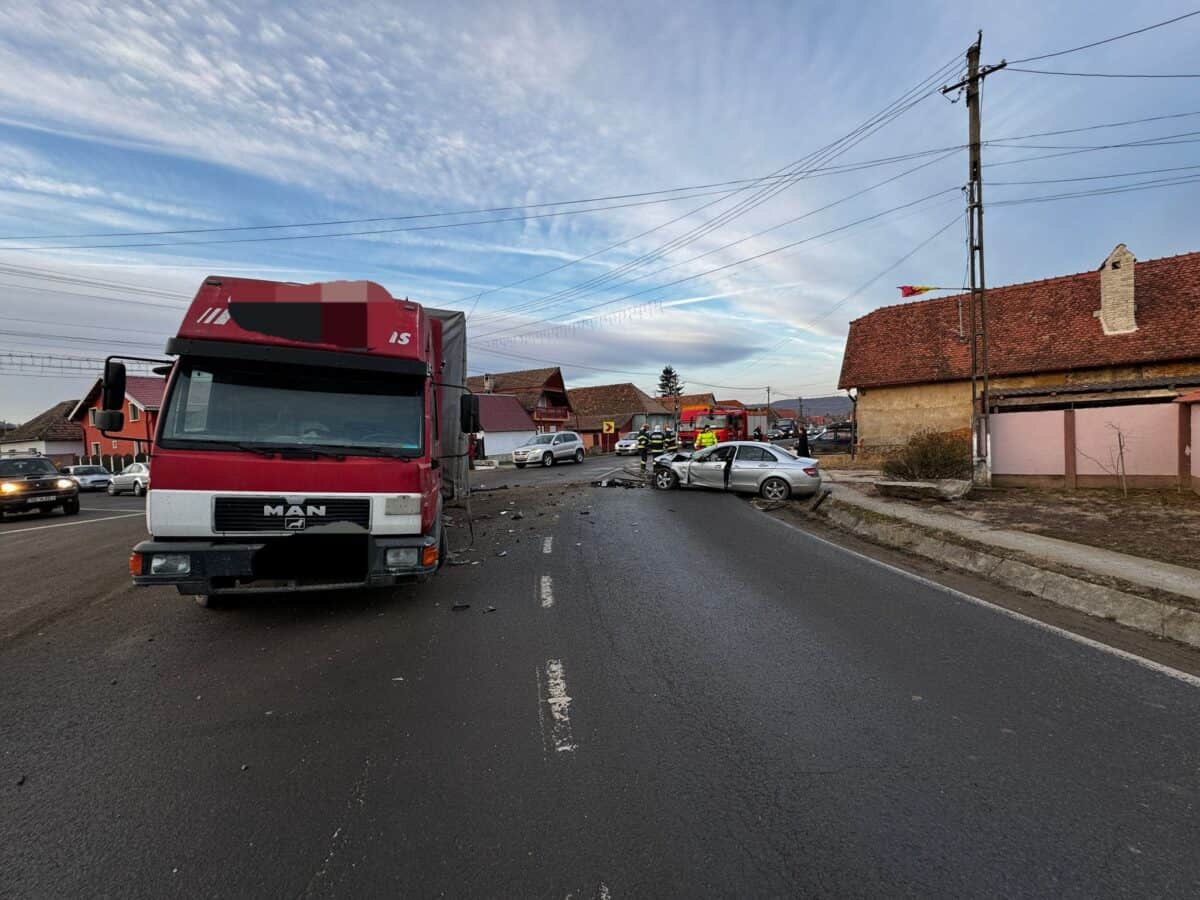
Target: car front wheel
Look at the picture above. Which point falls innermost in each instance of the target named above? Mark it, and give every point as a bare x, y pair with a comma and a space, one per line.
548, 460
775, 489
665, 479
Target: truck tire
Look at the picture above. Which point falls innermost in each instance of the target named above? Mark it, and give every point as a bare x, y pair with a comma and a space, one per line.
579, 456
547, 460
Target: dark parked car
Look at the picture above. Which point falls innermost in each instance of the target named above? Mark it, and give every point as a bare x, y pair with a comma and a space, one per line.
831, 440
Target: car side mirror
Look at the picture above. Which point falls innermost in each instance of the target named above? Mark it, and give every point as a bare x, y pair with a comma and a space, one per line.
110, 420
112, 393
468, 413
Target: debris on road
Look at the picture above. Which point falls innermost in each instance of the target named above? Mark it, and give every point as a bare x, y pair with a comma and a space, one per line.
398, 678
502, 553
620, 482
245, 766
585, 512
20, 781
518, 515
460, 605
488, 610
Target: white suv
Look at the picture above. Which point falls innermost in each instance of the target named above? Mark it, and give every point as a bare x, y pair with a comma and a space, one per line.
548, 449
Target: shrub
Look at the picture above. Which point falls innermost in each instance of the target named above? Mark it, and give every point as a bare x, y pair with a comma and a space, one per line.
930, 454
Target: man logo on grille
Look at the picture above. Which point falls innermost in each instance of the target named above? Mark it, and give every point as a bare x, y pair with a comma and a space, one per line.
295, 517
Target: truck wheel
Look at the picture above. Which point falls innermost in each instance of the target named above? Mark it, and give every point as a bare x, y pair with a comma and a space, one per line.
138, 489
71, 507
547, 460
775, 489
578, 456
665, 479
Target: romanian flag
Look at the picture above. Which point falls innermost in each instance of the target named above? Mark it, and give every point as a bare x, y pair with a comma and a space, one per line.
911, 290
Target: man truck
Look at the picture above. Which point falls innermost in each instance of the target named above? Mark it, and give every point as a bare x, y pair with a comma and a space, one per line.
309, 437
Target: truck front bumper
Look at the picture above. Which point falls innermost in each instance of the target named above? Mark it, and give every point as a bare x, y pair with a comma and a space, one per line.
245, 566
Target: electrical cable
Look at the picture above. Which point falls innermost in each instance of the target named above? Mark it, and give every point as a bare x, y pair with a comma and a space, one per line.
1107, 40
1103, 74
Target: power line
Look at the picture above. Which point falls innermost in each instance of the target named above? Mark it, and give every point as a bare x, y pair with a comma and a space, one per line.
1108, 40
1092, 177
1103, 74
761, 255
822, 155
1098, 192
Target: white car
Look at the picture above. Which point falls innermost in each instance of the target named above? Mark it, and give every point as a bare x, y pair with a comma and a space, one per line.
627, 446
551, 448
89, 478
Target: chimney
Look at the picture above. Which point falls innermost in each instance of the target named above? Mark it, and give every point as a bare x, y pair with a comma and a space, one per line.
489, 384
1118, 306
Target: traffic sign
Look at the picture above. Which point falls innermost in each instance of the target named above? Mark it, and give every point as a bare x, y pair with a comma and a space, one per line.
608, 428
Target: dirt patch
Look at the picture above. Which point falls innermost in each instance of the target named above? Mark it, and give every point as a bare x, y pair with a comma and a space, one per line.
1162, 525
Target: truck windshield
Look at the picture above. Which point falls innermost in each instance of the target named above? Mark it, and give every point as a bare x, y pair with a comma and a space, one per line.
222, 403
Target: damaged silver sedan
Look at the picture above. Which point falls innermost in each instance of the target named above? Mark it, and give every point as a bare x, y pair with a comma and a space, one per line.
743, 466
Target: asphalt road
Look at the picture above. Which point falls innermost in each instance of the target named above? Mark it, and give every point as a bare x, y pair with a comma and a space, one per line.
676, 696
593, 468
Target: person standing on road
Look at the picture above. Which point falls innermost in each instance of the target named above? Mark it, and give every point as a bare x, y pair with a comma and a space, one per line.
643, 442
706, 438
658, 442
758, 435
801, 442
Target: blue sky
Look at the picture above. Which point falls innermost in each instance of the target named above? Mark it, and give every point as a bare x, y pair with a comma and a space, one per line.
130, 117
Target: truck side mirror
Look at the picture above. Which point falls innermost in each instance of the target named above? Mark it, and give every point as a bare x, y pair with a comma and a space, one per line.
112, 392
468, 413
110, 420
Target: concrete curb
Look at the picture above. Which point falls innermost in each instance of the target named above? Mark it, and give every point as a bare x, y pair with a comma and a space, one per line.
1153, 616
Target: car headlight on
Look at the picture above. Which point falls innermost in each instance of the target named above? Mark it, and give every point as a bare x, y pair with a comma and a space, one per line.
64, 483
170, 564
8, 488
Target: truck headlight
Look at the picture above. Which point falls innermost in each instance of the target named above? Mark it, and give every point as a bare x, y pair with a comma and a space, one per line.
170, 564
399, 557
64, 483
8, 488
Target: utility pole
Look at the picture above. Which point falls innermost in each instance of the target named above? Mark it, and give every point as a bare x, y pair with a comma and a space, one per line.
978, 285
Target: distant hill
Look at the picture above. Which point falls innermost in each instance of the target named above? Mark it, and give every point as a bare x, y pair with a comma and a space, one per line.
837, 405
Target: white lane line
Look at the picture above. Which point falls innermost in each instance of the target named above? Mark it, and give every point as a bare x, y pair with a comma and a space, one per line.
547, 592
69, 524
1162, 669
548, 545
559, 702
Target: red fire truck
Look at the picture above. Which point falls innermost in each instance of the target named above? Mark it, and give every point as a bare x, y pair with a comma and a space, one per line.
729, 423
309, 436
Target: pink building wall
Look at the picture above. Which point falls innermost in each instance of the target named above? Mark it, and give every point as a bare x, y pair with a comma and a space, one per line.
1028, 443
1196, 440
1151, 433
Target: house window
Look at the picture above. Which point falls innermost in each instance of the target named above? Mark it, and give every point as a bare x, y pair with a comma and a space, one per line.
134, 413
114, 445
92, 417
95, 448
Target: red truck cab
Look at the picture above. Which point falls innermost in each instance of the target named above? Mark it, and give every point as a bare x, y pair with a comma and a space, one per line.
309, 436
728, 423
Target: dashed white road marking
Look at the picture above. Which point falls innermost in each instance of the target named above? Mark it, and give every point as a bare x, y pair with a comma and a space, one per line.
548, 545
547, 591
69, 524
559, 702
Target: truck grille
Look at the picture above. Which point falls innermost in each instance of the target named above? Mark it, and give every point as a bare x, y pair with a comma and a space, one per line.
251, 514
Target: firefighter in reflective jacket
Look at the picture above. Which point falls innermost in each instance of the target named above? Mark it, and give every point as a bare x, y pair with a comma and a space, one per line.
658, 442
706, 438
643, 443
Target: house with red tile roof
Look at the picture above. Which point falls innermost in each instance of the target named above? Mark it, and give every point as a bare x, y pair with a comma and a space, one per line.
505, 423
143, 399
541, 393
624, 404
50, 433
1126, 333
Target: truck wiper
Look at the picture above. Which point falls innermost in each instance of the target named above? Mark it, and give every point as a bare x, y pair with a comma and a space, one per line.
303, 451
268, 452
350, 450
